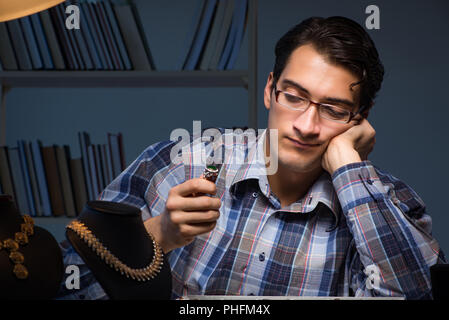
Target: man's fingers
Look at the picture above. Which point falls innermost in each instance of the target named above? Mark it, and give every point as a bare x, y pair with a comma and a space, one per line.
202, 203
195, 217
192, 230
196, 185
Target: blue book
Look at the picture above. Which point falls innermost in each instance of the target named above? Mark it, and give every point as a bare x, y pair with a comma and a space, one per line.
59, 26
31, 43
41, 179
91, 37
19, 186
26, 178
240, 19
42, 41
71, 37
201, 35
86, 34
19, 45
231, 36
99, 33
84, 141
117, 35
199, 5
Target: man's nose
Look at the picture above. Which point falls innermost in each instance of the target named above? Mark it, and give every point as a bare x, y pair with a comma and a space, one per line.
308, 122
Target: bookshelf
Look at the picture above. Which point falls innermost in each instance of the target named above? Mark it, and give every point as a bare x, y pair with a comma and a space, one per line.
134, 79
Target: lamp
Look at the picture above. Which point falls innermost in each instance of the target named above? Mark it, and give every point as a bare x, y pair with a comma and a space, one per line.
13, 9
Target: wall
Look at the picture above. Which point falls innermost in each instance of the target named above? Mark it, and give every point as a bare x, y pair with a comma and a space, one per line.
410, 115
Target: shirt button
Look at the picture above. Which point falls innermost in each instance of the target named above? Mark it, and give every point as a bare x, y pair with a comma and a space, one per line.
255, 194
262, 256
81, 296
369, 181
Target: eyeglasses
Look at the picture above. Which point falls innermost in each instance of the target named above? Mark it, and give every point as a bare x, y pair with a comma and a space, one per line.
326, 111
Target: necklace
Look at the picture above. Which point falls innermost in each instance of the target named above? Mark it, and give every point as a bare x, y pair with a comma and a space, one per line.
13, 245
143, 274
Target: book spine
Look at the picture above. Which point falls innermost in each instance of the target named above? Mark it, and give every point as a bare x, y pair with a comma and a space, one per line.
71, 38
84, 142
78, 183
19, 45
93, 171
54, 180
33, 180
26, 177
99, 34
5, 173
132, 38
201, 35
66, 184
52, 40
31, 44
86, 30
117, 35
41, 178
7, 56
19, 187
61, 31
240, 21
107, 32
41, 41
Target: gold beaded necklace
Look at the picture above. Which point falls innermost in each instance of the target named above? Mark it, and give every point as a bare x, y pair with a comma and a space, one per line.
143, 274
21, 238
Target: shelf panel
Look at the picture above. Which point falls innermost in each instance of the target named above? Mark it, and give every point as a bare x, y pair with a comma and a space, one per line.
121, 79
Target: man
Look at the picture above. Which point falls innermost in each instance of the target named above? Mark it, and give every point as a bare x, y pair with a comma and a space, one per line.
325, 223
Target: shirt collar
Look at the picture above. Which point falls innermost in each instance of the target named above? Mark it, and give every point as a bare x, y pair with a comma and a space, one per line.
254, 168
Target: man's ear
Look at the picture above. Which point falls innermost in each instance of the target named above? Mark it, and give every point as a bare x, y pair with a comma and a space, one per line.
268, 91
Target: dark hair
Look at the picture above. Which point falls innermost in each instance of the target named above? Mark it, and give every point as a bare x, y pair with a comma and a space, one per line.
343, 42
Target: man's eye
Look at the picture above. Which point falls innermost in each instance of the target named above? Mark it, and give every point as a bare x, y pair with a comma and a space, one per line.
294, 99
333, 112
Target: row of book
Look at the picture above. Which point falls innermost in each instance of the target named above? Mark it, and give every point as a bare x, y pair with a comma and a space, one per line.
47, 181
214, 41
110, 37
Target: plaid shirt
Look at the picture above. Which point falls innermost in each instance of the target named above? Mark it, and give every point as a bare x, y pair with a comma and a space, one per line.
359, 232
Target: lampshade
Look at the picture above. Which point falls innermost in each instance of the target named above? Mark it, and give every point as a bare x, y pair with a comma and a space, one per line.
13, 9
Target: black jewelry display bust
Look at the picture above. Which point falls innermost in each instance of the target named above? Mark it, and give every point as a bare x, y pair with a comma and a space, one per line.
119, 227
43, 259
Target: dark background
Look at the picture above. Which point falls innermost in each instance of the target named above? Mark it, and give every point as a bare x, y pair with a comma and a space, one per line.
410, 115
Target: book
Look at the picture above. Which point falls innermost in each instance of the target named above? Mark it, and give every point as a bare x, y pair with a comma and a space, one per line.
84, 141
222, 35
53, 179
41, 41
117, 35
132, 38
66, 184
36, 152
93, 43
80, 45
230, 40
52, 40
105, 165
240, 22
78, 183
201, 34
115, 154
5, 173
31, 43
142, 35
61, 31
33, 180
107, 32
26, 178
7, 56
19, 45
185, 49
89, 6
213, 36
73, 44
93, 171
19, 187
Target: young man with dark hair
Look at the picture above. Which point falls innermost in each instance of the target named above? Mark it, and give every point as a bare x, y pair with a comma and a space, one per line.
327, 222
